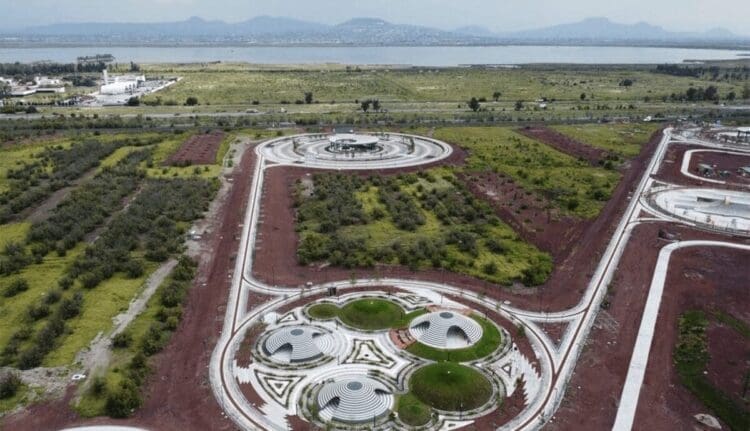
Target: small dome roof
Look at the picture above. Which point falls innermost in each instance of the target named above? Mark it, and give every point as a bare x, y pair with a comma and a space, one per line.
446, 330
297, 341
354, 399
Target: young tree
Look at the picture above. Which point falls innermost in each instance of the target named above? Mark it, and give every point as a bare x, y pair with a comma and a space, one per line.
308, 97
519, 105
365, 105
376, 105
474, 104
496, 95
191, 101
583, 96
134, 101
746, 92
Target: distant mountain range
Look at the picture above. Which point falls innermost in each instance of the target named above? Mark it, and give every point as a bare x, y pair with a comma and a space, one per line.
266, 30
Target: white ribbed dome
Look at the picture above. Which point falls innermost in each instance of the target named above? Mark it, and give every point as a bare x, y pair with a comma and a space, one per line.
446, 330
354, 400
293, 344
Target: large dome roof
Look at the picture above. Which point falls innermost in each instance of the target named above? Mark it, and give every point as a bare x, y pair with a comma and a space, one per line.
446, 330
354, 400
295, 343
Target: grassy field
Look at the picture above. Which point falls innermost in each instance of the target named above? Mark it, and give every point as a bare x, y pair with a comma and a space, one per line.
490, 341
623, 139
573, 185
243, 84
450, 386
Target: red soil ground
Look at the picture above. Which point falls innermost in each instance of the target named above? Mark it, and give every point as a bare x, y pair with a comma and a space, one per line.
199, 149
592, 397
178, 396
670, 168
698, 279
563, 143
722, 162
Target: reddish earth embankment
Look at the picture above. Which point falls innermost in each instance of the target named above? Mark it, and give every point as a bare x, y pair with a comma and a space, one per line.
563, 143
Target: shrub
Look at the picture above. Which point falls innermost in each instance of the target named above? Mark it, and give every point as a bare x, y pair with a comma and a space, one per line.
124, 400
15, 287
10, 382
122, 340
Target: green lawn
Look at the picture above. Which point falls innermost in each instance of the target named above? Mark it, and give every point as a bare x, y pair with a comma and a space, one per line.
412, 411
368, 314
450, 386
490, 341
625, 140
323, 311
571, 184
371, 314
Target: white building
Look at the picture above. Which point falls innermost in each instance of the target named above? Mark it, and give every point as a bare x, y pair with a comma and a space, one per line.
122, 84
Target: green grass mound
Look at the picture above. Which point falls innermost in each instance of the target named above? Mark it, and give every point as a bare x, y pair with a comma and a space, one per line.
323, 311
371, 314
489, 342
450, 386
413, 412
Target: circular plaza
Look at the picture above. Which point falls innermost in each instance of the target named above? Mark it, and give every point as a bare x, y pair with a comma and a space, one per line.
355, 150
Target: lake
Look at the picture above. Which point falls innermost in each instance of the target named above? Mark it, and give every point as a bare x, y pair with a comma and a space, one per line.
417, 56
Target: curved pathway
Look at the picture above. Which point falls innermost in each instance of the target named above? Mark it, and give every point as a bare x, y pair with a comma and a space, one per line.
557, 361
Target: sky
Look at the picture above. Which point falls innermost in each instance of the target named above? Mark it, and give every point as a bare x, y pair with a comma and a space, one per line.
497, 15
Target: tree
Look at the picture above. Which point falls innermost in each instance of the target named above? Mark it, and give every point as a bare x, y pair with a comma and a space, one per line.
583, 96
134, 67
191, 101
712, 93
376, 105
626, 83
474, 104
731, 96
519, 105
308, 97
496, 95
365, 105
134, 101
746, 92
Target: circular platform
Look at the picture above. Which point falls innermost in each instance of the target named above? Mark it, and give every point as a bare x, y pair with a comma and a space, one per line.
354, 151
722, 210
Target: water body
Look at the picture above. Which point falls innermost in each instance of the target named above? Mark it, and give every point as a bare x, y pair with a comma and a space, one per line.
417, 56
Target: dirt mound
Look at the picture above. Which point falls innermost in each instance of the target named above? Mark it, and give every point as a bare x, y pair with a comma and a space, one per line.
565, 144
199, 149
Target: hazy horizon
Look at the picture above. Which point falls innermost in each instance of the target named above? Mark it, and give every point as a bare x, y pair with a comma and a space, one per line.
683, 16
